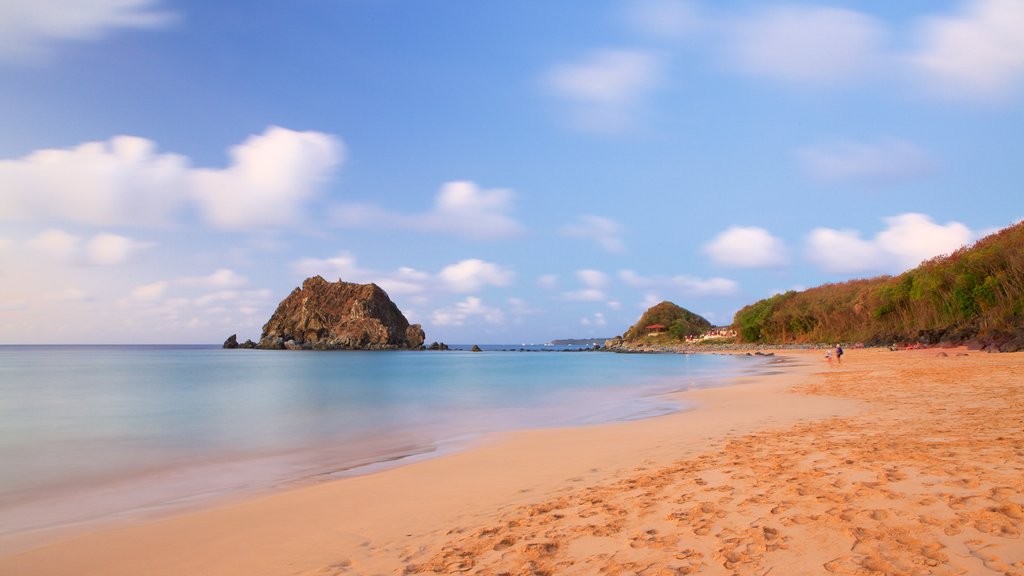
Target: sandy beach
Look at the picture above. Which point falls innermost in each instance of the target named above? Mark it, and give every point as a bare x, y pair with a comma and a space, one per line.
907, 462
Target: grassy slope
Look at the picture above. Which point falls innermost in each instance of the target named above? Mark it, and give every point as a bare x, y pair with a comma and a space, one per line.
679, 323
976, 293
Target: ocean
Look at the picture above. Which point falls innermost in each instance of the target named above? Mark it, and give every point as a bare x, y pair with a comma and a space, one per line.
93, 433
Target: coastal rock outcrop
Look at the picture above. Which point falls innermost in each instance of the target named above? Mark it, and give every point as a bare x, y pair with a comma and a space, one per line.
322, 315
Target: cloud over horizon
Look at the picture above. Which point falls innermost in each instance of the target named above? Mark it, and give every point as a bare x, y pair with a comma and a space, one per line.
907, 240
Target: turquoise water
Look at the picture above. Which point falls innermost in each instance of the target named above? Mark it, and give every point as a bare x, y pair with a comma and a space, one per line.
90, 432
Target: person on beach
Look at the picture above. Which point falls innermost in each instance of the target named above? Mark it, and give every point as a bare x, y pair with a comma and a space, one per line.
828, 356
839, 353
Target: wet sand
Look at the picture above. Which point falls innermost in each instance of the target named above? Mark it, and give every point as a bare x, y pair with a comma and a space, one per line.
905, 462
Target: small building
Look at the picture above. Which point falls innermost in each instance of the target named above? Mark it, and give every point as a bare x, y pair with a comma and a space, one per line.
655, 329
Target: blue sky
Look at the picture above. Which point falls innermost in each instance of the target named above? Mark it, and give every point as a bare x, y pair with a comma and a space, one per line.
509, 172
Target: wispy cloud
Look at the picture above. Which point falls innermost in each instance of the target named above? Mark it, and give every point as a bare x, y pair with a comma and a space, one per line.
664, 19
594, 283
976, 54
806, 45
680, 284
461, 208
465, 276
472, 308
886, 160
102, 249
607, 88
30, 30
603, 231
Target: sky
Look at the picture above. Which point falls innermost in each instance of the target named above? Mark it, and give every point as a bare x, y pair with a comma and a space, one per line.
509, 172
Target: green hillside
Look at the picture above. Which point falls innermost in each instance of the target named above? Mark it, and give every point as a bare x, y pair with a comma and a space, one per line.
678, 323
975, 295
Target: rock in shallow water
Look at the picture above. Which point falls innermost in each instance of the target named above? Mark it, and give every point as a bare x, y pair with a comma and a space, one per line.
322, 315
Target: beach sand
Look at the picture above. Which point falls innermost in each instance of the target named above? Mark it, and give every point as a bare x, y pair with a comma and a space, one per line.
906, 462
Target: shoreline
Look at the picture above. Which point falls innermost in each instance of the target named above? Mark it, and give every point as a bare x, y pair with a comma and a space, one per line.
539, 454
908, 462
151, 495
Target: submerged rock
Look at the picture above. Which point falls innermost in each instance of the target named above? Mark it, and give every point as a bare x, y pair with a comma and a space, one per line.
322, 315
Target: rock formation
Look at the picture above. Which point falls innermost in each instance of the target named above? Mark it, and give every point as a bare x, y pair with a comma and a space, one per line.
664, 323
324, 315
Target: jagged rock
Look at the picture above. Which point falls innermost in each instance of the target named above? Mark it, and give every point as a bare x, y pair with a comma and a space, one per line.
414, 336
322, 315
475, 348
436, 346
248, 344
231, 342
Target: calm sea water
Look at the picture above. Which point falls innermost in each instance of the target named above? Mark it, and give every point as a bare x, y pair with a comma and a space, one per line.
93, 432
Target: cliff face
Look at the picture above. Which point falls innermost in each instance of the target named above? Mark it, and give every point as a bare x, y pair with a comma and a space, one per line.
324, 315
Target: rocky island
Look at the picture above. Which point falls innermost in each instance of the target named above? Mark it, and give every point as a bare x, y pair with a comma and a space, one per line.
322, 315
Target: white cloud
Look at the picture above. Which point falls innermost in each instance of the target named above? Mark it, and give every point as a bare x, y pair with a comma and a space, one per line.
464, 276
585, 295
978, 53
806, 45
886, 160
592, 278
606, 232
248, 299
149, 292
465, 311
607, 87
595, 319
461, 209
125, 181
667, 19
342, 267
405, 281
473, 274
71, 294
270, 178
650, 299
220, 278
594, 282
686, 285
57, 244
907, 240
548, 281
29, 28
747, 247
112, 249
101, 250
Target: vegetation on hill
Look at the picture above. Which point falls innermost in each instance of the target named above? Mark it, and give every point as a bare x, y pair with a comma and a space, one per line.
975, 295
678, 322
